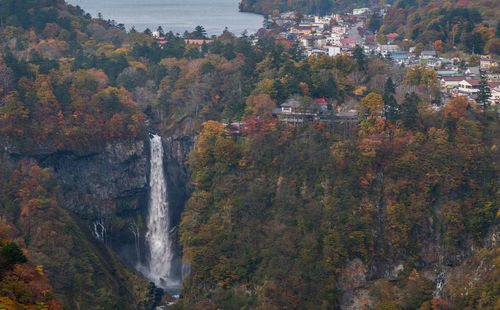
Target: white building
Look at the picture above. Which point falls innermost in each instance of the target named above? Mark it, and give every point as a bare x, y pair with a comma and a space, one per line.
428, 54
333, 50
387, 49
360, 11
339, 30
334, 39
314, 41
468, 87
495, 95
325, 20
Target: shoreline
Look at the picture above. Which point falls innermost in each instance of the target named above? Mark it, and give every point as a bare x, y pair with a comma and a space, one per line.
177, 17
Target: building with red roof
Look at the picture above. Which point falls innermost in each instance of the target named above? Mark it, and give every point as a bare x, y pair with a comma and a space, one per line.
348, 42
320, 101
198, 42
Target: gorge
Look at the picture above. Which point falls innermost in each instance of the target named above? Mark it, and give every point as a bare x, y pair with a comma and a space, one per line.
130, 196
120, 159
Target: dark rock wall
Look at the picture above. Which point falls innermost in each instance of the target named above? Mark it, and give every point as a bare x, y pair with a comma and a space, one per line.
176, 150
108, 190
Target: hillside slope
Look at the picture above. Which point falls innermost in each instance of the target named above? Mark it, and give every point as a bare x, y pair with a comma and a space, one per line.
321, 215
308, 217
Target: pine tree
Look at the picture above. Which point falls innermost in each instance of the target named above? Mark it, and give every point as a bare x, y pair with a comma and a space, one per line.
160, 31
359, 55
484, 93
389, 86
200, 32
391, 106
409, 110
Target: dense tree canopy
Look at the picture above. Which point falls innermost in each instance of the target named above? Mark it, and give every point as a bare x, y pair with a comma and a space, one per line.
280, 215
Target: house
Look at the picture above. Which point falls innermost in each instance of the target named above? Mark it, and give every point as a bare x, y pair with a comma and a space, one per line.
473, 71
360, 11
290, 106
293, 112
451, 80
494, 85
351, 42
495, 95
493, 76
316, 52
313, 41
161, 40
321, 22
387, 49
443, 73
468, 86
428, 54
391, 37
334, 39
338, 30
303, 28
451, 67
450, 84
400, 57
434, 63
333, 50
486, 62
321, 102
197, 42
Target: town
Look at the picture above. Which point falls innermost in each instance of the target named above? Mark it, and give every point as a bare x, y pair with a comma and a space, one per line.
340, 34
458, 74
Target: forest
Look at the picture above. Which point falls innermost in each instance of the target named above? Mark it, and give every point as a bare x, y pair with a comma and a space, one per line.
302, 205
468, 26
280, 216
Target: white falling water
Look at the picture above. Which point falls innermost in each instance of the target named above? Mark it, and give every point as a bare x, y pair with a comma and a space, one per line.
158, 237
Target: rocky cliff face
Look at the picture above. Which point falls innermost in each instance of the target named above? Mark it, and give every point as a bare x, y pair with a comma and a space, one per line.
108, 189
471, 270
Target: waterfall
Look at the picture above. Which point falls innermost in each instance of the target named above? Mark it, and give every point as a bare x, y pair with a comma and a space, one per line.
158, 237
134, 229
99, 230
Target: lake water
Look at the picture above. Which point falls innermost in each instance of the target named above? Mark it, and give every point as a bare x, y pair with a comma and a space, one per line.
175, 15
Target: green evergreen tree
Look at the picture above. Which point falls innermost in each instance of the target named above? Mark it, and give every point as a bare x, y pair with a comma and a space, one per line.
375, 22
12, 254
359, 55
161, 33
199, 32
389, 86
484, 94
409, 110
391, 106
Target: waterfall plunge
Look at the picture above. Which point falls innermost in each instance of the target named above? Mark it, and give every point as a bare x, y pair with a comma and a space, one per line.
158, 235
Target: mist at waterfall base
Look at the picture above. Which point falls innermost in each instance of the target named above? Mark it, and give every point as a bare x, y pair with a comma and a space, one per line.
163, 267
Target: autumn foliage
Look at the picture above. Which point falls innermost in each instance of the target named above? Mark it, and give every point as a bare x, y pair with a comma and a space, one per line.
299, 203
22, 285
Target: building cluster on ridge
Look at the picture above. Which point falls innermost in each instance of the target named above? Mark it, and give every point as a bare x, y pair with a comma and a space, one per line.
338, 34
